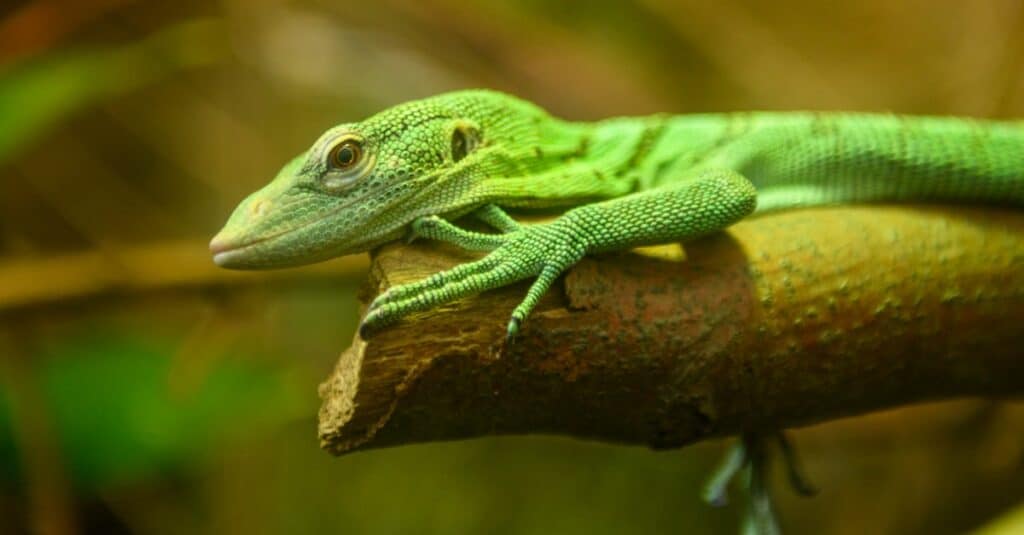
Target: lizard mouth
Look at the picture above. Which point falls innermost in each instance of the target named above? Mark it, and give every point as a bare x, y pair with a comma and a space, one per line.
229, 252
234, 255
228, 255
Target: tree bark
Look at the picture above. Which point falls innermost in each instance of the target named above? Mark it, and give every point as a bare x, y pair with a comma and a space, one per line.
784, 320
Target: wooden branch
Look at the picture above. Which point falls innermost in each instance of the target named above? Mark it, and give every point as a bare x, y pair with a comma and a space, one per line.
785, 320
74, 277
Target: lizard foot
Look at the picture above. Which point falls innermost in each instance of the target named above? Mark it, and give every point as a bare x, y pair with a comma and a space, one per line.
751, 456
542, 250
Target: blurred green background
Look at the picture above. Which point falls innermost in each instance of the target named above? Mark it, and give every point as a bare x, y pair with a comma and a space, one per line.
144, 391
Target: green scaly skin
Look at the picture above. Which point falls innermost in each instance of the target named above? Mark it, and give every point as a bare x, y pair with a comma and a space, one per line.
627, 182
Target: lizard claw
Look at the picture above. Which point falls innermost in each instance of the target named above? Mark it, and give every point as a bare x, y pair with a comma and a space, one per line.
374, 316
364, 329
716, 493
797, 480
368, 325
512, 331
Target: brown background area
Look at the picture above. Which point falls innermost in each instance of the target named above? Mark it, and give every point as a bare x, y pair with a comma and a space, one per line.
115, 171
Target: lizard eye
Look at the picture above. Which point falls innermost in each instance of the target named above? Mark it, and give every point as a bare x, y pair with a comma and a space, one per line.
345, 155
347, 162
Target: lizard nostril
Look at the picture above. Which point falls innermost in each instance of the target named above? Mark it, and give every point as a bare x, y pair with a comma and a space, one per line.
261, 207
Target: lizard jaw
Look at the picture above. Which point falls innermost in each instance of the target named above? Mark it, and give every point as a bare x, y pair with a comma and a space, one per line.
233, 255
227, 254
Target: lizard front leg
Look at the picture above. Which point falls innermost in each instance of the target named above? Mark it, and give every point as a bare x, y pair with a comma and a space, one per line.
702, 204
522, 251
437, 228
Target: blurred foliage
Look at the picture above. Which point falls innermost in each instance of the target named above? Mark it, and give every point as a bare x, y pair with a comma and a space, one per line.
127, 124
43, 91
1011, 523
118, 417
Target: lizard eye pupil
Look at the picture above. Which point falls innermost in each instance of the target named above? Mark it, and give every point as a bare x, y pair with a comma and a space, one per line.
345, 155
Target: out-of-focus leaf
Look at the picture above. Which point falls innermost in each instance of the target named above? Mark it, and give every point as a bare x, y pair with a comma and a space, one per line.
39, 92
1010, 523
9, 470
119, 416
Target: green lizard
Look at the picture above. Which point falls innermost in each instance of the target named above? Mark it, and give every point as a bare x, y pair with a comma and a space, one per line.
410, 170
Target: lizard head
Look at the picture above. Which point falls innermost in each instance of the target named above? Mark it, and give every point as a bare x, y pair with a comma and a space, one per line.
361, 184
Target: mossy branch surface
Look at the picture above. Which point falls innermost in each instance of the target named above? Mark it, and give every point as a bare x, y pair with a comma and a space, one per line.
784, 320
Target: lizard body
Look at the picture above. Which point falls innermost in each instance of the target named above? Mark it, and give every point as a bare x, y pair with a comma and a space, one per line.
413, 168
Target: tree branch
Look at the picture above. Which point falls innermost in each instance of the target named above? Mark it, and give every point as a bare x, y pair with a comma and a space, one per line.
786, 320
130, 270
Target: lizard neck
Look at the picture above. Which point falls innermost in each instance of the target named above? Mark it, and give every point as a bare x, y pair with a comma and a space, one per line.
567, 163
